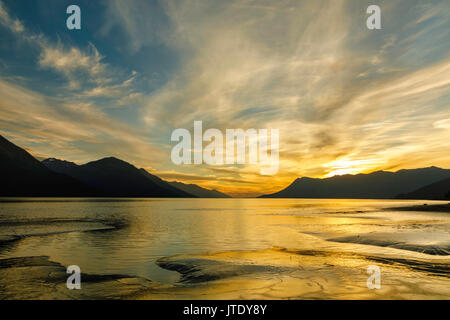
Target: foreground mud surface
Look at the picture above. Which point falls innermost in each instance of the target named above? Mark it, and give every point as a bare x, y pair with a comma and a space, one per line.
39, 278
276, 273
281, 273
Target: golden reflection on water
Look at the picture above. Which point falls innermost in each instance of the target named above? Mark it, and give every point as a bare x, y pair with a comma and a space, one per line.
251, 248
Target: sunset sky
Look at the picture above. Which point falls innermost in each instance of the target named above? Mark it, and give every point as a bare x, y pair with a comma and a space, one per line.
345, 99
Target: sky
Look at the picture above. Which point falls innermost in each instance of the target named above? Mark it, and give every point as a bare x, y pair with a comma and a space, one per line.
345, 99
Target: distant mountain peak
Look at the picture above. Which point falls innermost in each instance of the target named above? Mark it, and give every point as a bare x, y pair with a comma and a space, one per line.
54, 161
111, 162
439, 190
431, 168
116, 177
376, 185
111, 159
198, 191
23, 175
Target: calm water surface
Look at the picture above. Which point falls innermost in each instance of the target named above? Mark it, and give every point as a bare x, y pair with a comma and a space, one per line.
127, 236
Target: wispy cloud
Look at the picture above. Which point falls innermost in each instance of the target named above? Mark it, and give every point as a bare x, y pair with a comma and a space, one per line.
73, 63
73, 130
12, 23
84, 69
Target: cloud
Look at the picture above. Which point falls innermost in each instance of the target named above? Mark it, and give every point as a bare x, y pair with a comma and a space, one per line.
84, 69
76, 130
87, 73
442, 124
69, 61
6, 20
242, 57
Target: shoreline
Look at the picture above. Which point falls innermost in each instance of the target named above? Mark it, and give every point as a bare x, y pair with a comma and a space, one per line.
273, 273
424, 207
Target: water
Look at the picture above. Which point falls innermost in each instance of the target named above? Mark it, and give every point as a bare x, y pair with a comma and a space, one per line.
127, 236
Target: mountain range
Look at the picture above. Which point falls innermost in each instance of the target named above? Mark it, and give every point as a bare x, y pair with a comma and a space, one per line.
423, 183
436, 191
199, 191
114, 178
23, 175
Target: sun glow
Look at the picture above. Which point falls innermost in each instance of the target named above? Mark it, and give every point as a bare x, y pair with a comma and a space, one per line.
341, 167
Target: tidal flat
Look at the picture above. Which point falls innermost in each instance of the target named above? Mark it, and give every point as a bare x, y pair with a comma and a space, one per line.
224, 248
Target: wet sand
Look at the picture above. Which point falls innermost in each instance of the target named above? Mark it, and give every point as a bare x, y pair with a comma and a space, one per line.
38, 278
402, 240
274, 273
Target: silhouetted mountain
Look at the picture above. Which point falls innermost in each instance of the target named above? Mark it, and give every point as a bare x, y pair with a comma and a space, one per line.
165, 184
114, 178
191, 189
22, 175
436, 191
199, 191
59, 165
376, 185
